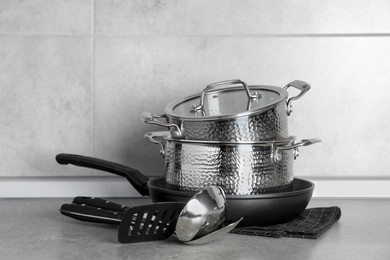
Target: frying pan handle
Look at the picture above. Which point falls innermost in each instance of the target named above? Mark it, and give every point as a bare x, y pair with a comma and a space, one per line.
137, 179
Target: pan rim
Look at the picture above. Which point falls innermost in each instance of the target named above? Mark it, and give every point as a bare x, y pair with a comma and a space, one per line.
310, 187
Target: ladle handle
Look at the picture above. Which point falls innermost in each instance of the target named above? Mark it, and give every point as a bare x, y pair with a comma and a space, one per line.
136, 179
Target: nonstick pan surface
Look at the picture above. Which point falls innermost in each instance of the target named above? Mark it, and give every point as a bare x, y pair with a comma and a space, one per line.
257, 210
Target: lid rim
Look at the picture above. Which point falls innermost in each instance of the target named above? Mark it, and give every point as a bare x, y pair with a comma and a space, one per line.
170, 107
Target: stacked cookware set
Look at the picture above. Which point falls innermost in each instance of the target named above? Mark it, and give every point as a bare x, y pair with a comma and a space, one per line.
231, 135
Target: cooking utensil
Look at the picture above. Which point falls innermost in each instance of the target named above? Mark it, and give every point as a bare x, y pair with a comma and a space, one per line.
96, 210
99, 203
91, 214
226, 228
143, 223
208, 206
257, 210
203, 214
240, 168
149, 222
227, 112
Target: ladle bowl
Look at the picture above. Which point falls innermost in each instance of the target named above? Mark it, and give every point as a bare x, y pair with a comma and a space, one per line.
203, 214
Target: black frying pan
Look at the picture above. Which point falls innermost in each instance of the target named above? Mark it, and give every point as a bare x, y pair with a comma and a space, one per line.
257, 210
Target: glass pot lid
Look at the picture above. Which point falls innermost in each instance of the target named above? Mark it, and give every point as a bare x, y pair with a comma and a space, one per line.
227, 99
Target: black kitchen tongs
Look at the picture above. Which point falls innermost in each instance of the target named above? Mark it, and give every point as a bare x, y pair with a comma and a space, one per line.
136, 224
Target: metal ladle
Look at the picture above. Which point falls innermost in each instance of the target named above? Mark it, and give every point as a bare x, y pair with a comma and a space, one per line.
202, 215
226, 228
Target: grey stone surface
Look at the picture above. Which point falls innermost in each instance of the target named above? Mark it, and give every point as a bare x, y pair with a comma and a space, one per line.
34, 229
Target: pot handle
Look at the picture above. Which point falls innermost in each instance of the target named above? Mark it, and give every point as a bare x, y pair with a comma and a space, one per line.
302, 86
153, 138
277, 156
195, 108
152, 119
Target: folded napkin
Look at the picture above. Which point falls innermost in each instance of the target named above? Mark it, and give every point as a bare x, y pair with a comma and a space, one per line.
312, 223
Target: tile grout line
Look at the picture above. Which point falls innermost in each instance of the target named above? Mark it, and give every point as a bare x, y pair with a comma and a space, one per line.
93, 78
233, 35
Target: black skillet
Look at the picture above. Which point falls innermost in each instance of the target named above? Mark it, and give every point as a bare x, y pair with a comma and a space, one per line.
257, 210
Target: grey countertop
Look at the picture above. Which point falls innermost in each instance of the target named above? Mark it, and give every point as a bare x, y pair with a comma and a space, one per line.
34, 229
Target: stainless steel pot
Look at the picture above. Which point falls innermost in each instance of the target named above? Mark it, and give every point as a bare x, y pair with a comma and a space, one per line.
227, 112
240, 168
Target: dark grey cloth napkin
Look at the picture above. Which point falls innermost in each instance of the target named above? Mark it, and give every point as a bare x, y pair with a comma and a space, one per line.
311, 224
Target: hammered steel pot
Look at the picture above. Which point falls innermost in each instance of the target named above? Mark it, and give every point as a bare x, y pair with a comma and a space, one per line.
231, 111
244, 168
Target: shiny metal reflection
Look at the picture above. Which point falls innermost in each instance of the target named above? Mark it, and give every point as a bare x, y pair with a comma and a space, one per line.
204, 213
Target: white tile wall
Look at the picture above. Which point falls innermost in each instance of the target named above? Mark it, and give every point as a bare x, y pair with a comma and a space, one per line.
220, 17
75, 76
46, 17
45, 102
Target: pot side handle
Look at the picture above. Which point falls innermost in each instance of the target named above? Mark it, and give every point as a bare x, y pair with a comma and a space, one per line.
153, 138
302, 86
277, 156
152, 119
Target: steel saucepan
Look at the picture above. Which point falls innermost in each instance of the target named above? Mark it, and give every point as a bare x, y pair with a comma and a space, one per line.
257, 210
227, 112
239, 168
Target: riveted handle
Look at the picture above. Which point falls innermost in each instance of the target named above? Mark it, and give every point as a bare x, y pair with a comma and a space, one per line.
153, 119
277, 156
225, 83
157, 138
298, 84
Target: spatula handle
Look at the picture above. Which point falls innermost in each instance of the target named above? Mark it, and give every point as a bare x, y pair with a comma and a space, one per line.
100, 203
91, 214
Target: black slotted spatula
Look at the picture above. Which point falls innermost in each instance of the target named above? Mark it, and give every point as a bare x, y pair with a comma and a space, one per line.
136, 224
150, 222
